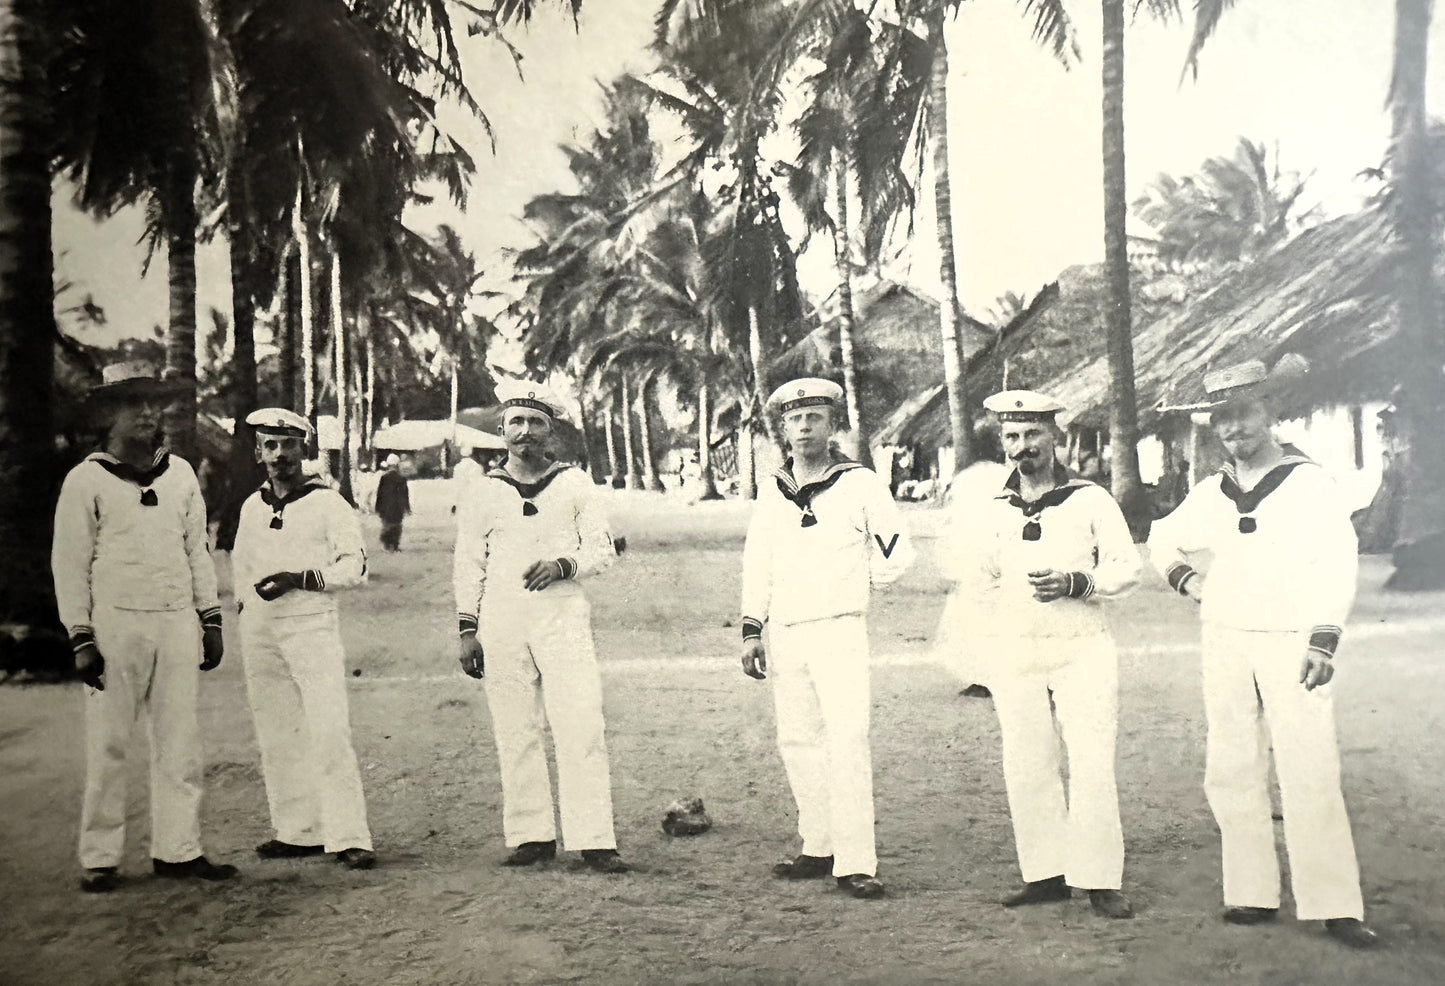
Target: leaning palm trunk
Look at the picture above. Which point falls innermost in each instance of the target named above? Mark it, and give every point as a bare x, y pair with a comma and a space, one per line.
27, 328
704, 444
181, 221
747, 451
343, 379
590, 461
1420, 549
845, 312
307, 297
948, 314
634, 478
1127, 486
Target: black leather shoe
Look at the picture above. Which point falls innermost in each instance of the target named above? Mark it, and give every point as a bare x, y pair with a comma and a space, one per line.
529, 853
804, 867
356, 858
1352, 932
1250, 915
1111, 903
861, 885
1039, 892
99, 880
199, 868
276, 849
604, 861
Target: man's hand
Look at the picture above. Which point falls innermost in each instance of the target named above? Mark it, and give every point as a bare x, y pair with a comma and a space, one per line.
91, 666
277, 584
472, 660
1194, 588
212, 647
755, 659
1049, 584
541, 575
1316, 669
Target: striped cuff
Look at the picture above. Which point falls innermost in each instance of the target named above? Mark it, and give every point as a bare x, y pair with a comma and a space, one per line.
312, 581
1325, 639
210, 618
1178, 574
752, 629
568, 567
81, 636
1081, 585
466, 623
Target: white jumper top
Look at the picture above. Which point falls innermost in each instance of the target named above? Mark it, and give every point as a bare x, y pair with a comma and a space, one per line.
314, 531
504, 526
131, 539
813, 552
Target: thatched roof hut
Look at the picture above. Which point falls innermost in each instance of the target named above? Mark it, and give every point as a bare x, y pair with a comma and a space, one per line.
1327, 295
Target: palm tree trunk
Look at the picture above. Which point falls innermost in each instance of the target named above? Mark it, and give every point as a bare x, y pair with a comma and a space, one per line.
650, 479
1420, 549
634, 478
181, 220
343, 380
614, 477
308, 322
290, 326
845, 311
245, 393
1127, 486
368, 426
593, 463
28, 475
752, 405
704, 444
948, 309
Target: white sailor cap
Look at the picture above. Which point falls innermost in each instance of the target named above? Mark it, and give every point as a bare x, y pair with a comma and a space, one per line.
805, 392
527, 393
1022, 405
279, 421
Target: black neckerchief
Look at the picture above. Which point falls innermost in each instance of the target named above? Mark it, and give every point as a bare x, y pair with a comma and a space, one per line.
278, 504
527, 491
1064, 487
802, 496
1248, 501
143, 478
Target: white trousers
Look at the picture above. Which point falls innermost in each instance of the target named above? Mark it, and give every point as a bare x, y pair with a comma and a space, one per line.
822, 694
296, 682
1079, 836
541, 671
151, 668
1252, 693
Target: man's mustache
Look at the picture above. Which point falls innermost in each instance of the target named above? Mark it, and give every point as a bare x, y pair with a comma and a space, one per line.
1027, 453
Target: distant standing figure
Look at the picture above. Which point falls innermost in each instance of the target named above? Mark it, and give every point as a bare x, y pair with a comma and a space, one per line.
136, 590
393, 502
297, 543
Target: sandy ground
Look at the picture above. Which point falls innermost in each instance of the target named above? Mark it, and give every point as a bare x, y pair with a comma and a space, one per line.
683, 720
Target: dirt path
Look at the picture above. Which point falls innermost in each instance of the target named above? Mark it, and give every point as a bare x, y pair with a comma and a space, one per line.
682, 720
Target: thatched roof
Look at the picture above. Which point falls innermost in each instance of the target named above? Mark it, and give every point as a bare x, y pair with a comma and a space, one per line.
1327, 295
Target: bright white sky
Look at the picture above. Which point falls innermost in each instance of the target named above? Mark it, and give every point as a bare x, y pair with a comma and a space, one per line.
1310, 75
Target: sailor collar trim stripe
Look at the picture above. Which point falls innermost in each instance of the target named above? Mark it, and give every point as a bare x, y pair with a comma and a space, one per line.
1248, 501
803, 496
144, 478
278, 504
528, 491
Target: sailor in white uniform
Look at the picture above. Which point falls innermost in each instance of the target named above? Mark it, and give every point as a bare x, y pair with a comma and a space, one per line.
1033, 565
1273, 603
297, 543
820, 537
137, 592
528, 531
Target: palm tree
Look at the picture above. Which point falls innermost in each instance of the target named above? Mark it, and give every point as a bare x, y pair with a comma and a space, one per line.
141, 100
1234, 208
27, 325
